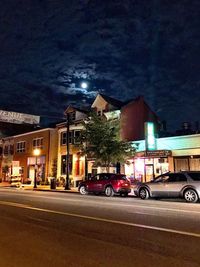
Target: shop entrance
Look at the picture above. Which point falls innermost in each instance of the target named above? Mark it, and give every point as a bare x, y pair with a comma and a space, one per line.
149, 172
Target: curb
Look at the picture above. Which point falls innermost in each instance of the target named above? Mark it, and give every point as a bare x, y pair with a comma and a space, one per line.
54, 190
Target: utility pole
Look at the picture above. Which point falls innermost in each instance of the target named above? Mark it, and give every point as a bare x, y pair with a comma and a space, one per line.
67, 151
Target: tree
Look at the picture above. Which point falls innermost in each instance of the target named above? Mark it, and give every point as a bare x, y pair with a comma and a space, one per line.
102, 141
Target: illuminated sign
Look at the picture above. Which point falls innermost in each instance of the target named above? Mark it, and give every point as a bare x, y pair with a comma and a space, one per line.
150, 136
18, 118
158, 153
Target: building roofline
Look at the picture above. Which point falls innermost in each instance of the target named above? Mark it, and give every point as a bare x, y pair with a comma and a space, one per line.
27, 133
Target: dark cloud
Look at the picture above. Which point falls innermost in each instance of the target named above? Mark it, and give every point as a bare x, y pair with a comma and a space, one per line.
123, 47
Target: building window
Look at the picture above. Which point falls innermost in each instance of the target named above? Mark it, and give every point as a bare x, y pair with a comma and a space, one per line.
21, 147
38, 143
99, 113
71, 137
77, 137
63, 164
72, 116
5, 150
74, 137
63, 139
8, 150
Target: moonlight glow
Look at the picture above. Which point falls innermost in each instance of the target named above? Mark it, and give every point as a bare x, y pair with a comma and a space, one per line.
84, 85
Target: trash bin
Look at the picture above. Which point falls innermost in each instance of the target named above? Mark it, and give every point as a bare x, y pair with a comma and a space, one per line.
53, 183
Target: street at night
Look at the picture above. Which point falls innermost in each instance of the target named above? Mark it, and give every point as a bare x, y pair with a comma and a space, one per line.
58, 229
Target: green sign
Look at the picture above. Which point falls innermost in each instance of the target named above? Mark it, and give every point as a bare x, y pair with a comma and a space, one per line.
150, 136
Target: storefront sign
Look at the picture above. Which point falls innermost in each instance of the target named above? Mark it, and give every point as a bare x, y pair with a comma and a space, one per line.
158, 153
15, 163
18, 118
150, 136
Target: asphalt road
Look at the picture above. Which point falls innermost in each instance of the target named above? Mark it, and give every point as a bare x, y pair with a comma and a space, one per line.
56, 229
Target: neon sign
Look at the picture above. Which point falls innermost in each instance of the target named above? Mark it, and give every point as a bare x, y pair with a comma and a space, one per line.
150, 136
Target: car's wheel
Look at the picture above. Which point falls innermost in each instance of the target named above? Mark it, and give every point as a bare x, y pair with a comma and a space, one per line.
144, 193
109, 191
190, 195
83, 190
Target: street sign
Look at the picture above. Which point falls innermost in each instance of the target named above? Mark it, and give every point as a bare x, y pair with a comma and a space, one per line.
18, 118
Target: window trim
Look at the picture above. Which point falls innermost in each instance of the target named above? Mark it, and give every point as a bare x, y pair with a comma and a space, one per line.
21, 147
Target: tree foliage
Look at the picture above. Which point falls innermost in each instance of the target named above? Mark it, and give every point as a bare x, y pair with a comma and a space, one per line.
102, 141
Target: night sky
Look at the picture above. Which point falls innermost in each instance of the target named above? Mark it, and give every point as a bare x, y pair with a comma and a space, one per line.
122, 48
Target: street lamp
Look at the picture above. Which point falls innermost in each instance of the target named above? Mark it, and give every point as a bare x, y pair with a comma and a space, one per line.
36, 153
67, 152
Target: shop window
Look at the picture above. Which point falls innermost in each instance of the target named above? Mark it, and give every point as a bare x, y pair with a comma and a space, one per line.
21, 147
181, 164
63, 164
194, 164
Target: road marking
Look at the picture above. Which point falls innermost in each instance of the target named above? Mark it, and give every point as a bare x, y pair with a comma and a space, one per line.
161, 229
118, 204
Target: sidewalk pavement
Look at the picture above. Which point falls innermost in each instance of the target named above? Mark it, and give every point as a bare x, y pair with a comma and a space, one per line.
39, 188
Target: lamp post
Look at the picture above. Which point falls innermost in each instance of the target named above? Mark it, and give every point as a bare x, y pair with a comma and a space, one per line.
36, 153
67, 152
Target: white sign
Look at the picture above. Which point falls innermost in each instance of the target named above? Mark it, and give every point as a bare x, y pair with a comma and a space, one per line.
15, 163
19, 118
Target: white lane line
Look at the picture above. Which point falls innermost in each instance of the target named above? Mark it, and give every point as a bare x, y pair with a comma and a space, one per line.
161, 229
69, 199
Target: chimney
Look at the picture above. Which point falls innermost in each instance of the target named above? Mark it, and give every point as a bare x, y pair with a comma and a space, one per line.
196, 127
186, 126
164, 126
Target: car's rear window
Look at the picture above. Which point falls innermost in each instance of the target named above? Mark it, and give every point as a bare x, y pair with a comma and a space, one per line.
195, 176
119, 177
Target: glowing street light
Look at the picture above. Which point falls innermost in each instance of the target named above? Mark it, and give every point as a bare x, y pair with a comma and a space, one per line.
36, 153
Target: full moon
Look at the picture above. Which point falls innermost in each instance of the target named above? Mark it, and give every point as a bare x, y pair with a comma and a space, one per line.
84, 85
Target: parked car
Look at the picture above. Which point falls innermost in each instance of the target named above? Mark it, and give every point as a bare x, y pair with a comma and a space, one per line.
184, 184
107, 183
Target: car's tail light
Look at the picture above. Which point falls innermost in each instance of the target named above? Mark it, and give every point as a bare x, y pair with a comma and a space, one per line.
123, 183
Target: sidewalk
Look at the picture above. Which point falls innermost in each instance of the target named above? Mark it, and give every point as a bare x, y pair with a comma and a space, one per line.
39, 188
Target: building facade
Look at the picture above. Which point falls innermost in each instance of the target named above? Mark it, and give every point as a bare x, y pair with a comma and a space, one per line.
77, 162
22, 160
172, 154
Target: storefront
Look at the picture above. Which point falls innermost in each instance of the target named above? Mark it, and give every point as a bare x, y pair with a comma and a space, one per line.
36, 166
176, 153
147, 165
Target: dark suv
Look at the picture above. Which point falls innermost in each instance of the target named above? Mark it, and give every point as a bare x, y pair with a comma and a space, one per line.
185, 184
108, 183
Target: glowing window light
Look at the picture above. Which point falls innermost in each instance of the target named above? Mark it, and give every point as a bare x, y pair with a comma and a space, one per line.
139, 165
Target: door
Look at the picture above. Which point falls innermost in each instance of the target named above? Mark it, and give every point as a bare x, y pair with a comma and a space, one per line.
149, 172
158, 186
102, 180
175, 183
